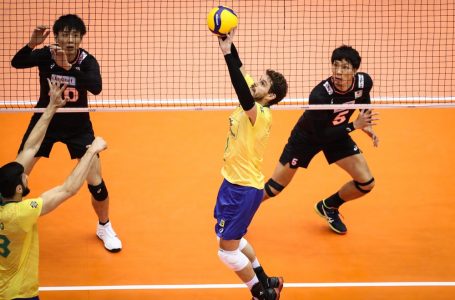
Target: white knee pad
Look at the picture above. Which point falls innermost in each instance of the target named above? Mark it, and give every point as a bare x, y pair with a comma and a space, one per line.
234, 260
242, 244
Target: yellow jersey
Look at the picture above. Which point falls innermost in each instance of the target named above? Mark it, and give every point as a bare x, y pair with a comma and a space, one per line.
19, 248
245, 145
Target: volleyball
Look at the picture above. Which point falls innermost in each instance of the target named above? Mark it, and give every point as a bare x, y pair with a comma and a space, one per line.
221, 20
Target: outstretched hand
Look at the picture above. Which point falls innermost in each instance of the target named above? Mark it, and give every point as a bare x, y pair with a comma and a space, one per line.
39, 35
366, 118
226, 41
55, 94
60, 58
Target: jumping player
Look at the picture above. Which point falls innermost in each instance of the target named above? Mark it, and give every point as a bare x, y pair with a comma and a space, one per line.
241, 192
328, 131
67, 63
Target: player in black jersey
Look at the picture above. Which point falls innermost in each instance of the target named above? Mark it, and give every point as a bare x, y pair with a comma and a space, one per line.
328, 131
65, 62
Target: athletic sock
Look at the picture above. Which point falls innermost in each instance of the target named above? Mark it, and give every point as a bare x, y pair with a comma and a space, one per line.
333, 201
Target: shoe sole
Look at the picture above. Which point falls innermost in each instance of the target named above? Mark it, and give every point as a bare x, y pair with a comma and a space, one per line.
115, 250
325, 217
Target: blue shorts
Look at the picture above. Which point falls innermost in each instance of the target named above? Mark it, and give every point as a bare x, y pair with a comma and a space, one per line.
235, 208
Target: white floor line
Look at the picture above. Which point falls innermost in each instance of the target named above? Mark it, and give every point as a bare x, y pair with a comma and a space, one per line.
236, 286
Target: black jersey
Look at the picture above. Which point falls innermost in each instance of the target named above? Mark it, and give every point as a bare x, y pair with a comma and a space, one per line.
332, 124
83, 76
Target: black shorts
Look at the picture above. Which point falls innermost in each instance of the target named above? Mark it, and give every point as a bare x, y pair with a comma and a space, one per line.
75, 140
300, 150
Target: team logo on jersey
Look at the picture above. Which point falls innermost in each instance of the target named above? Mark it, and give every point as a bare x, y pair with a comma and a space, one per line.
328, 87
2, 226
222, 223
361, 81
358, 94
34, 204
52, 65
70, 80
356, 148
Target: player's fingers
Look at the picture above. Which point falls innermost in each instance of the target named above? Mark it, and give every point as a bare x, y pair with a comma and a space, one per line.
63, 88
42, 27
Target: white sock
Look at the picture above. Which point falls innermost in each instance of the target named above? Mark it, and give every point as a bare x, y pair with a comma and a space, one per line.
255, 263
252, 282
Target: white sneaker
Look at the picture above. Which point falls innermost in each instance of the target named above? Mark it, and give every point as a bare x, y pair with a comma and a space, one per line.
110, 239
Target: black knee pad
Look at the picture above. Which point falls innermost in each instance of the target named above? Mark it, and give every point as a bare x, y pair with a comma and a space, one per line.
99, 192
275, 185
360, 185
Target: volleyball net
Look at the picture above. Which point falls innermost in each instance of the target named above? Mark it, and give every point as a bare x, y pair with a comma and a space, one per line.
159, 55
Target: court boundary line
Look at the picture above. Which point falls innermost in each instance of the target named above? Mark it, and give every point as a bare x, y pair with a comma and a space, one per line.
237, 286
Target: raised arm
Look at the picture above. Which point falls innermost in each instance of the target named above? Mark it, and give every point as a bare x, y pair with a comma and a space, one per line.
57, 195
34, 140
237, 77
26, 57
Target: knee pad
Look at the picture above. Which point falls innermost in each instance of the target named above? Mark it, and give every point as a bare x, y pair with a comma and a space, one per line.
234, 260
242, 244
275, 185
360, 185
99, 192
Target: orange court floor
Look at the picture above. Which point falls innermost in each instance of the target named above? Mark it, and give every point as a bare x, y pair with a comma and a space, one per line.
162, 170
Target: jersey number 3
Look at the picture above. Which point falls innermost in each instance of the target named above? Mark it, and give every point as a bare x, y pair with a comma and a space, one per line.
4, 243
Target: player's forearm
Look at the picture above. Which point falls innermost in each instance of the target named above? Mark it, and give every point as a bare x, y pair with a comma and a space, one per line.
91, 81
36, 137
235, 55
238, 81
74, 182
23, 58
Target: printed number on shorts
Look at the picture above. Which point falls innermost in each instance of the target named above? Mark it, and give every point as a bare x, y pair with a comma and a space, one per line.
340, 117
71, 93
4, 243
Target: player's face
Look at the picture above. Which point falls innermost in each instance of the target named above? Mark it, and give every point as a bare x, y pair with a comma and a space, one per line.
342, 74
69, 41
261, 88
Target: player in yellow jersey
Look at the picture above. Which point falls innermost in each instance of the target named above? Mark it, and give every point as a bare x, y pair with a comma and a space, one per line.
241, 192
19, 248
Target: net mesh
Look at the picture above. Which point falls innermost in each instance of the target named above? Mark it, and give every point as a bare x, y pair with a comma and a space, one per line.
160, 54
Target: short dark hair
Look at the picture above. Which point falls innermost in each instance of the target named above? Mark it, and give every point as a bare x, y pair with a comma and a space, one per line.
70, 22
10, 178
348, 53
279, 86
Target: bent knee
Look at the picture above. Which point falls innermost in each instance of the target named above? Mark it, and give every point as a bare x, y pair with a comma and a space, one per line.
273, 188
365, 186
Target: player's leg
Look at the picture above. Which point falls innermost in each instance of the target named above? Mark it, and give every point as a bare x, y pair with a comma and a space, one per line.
266, 281
362, 180
348, 156
100, 203
77, 146
234, 210
298, 152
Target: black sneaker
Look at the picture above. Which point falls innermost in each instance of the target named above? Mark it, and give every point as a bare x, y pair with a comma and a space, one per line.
333, 217
261, 293
275, 282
